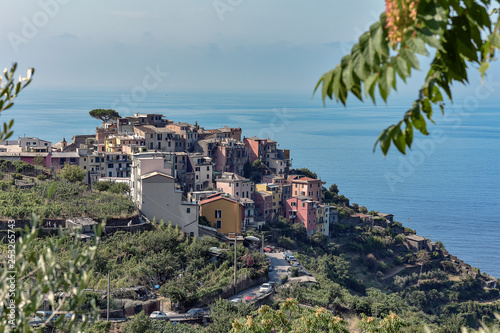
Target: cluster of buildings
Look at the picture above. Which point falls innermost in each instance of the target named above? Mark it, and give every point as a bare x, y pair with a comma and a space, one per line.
178, 172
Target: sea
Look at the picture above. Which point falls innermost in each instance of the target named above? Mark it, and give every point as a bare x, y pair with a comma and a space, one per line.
447, 187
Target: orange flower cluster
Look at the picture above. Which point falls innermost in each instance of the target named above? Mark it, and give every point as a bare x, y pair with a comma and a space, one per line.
400, 15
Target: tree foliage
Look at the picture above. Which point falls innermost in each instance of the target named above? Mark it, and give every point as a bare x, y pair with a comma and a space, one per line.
290, 318
105, 115
72, 173
459, 33
9, 90
35, 274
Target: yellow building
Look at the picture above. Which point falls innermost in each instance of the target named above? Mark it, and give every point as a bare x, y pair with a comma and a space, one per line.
223, 213
320, 219
275, 190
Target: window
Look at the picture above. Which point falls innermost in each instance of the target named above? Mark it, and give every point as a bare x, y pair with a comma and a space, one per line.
294, 204
110, 174
188, 210
219, 224
295, 192
85, 159
208, 176
237, 184
208, 168
303, 204
196, 177
237, 193
218, 214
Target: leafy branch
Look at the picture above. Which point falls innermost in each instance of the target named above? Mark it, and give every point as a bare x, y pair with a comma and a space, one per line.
9, 89
453, 29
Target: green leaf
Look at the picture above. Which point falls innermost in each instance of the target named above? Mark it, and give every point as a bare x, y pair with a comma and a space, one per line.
410, 58
400, 140
370, 85
417, 45
408, 132
386, 81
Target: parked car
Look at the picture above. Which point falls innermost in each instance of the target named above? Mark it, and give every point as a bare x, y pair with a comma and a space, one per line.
36, 321
290, 258
250, 297
265, 288
159, 315
235, 301
295, 264
269, 249
69, 316
286, 254
45, 315
194, 313
272, 284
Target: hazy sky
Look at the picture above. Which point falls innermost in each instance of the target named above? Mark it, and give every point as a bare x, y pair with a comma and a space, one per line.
218, 45
214, 45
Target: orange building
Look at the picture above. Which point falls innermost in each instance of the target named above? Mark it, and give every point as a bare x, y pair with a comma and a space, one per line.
224, 213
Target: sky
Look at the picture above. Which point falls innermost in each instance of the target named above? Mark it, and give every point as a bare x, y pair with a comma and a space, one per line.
221, 45
188, 45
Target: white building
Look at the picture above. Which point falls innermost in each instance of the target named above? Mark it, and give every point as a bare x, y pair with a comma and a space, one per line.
159, 199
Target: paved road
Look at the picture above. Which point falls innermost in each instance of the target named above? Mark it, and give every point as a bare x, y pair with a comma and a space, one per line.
280, 266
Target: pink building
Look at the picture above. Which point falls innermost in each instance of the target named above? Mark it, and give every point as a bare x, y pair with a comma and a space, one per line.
255, 148
305, 186
302, 209
235, 185
263, 205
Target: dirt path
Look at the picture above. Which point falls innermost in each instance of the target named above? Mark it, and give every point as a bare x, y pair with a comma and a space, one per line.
395, 270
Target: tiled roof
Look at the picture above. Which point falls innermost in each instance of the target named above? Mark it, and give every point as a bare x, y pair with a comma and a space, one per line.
155, 173
215, 197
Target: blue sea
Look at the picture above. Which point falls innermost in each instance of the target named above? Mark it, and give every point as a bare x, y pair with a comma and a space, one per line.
447, 187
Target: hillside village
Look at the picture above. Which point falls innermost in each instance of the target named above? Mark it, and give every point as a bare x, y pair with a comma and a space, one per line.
214, 182
178, 172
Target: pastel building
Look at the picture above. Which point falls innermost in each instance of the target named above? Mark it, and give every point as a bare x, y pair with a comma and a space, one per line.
199, 173
263, 205
157, 197
235, 185
303, 210
305, 186
275, 191
224, 213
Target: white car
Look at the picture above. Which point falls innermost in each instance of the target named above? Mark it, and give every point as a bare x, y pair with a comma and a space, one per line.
159, 315
235, 301
265, 288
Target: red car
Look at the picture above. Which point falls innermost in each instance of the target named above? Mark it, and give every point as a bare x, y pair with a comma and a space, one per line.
268, 249
250, 297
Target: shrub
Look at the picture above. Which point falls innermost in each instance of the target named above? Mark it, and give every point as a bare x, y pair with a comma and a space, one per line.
371, 262
399, 239
1, 175
119, 188
16, 176
42, 177
73, 173
363, 209
383, 266
101, 185
380, 275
